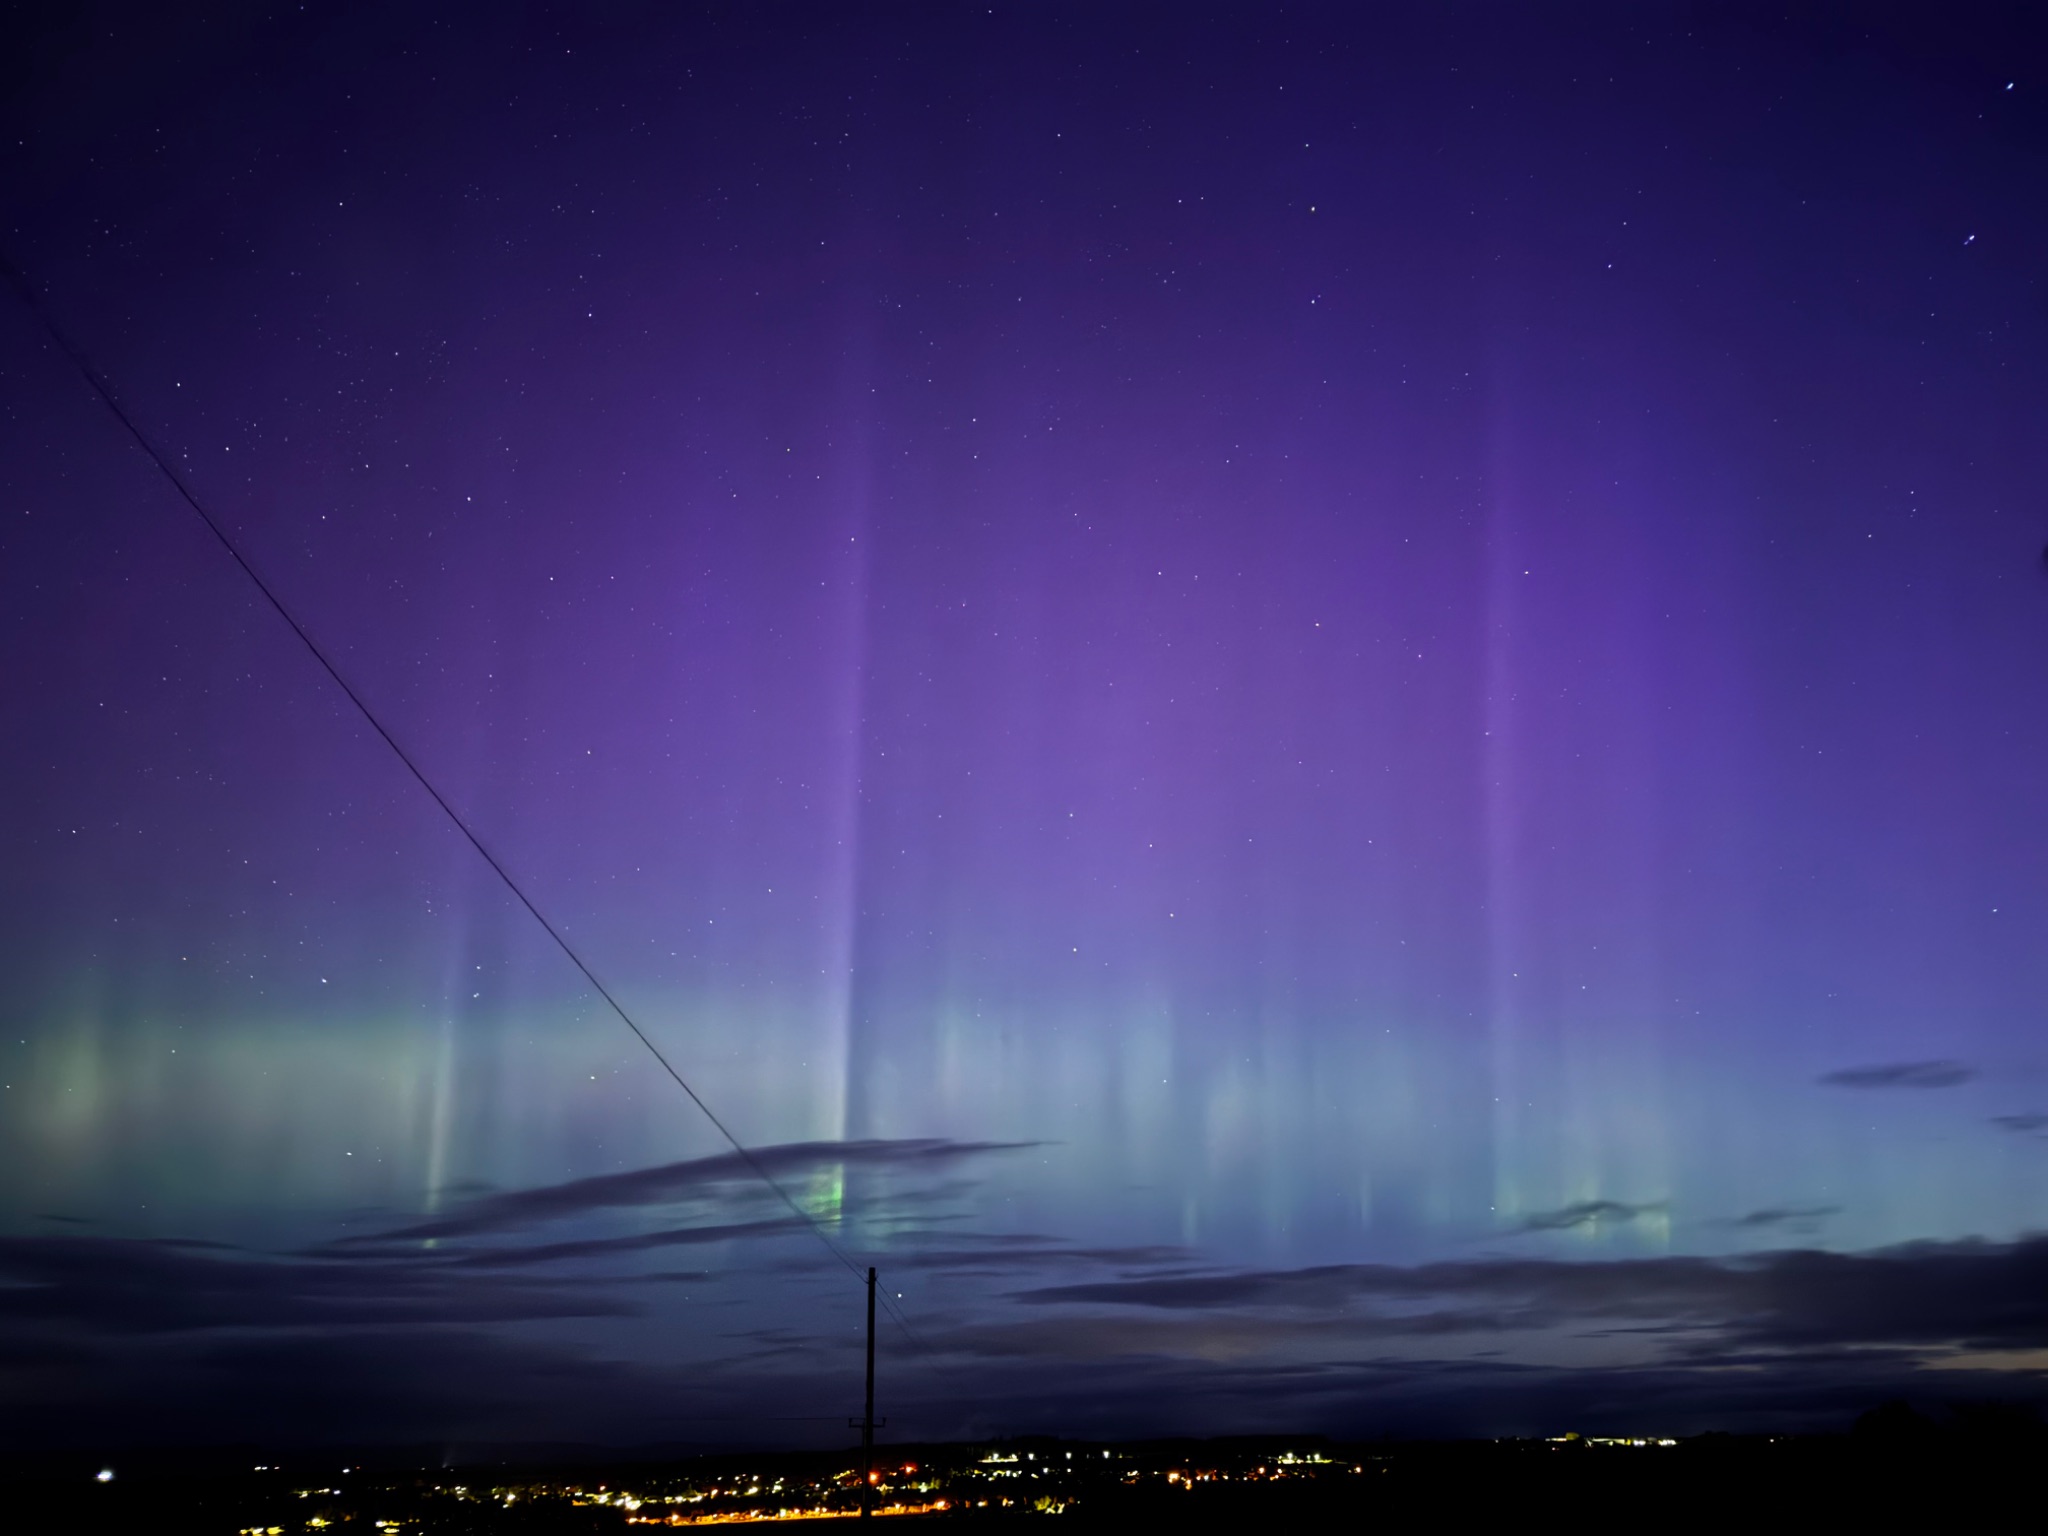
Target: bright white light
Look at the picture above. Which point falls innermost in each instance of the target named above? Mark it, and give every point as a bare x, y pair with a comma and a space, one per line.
104, 1475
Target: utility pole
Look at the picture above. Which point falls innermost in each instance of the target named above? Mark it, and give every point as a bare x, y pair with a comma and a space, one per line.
867, 1419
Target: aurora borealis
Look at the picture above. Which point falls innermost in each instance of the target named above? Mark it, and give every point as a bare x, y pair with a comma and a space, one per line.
1329, 718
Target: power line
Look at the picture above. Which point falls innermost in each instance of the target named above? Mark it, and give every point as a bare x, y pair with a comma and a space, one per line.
33, 299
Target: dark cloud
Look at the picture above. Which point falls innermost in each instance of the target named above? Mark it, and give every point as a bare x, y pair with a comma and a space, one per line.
466, 1388
1296, 1288
2021, 1124
434, 1385
98, 1332
1975, 1295
1112, 1339
696, 1178
1902, 1074
997, 1253
639, 1242
1803, 1217
1587, 1213
1367, 1398
166, 1343
134, 1286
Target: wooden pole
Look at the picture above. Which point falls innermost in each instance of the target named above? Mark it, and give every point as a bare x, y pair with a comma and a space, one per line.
867, 1420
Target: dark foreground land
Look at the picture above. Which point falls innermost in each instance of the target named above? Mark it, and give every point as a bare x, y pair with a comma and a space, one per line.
1887, 1480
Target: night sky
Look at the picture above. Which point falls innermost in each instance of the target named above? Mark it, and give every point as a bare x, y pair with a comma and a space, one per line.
1331, 718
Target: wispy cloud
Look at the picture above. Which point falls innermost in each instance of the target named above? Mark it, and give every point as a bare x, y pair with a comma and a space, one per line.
1801, 1217
2021, 1124
697, 1178
609, 1247
1589, 1213
1901, 1074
